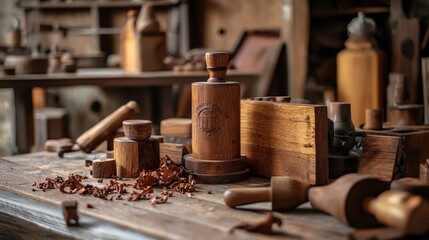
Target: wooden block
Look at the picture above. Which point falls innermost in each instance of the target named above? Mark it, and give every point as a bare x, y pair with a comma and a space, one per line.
414, 148
58, 145
380, 156
134, 156
103, 168
177, 127
174, 151
137, 129
285, 139
49, 123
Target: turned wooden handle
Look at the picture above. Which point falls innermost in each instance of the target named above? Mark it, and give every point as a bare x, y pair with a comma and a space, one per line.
241, 196
217, 63
89, 140
401, 210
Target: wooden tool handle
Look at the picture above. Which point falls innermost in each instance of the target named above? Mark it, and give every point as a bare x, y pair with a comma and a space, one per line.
241, 196
401, 210
89, 140
411, 185
217, 63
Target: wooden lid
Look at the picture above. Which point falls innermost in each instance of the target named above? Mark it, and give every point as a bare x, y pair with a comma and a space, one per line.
217, 63
137, 129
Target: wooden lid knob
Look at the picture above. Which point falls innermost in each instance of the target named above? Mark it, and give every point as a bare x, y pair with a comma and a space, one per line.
217, 63
137, 129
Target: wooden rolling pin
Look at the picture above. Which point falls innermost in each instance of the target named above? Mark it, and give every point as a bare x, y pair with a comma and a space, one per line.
285, 193
89, 140
362, 201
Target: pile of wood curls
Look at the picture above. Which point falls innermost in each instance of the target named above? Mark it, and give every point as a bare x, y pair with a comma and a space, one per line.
169, 177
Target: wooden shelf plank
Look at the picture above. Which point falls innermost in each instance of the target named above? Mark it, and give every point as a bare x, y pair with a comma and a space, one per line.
319, 13
89, 4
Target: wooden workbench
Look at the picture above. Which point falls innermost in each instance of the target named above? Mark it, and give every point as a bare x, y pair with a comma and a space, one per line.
38, 214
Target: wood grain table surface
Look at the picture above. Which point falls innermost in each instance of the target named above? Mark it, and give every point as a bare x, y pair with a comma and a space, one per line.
201, 216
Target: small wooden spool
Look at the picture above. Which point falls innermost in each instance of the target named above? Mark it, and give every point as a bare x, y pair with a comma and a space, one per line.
373, 119
133, 156
137, 129
216, 125
103, 168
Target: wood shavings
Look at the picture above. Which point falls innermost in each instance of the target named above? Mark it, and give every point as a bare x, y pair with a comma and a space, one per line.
166, 192
263, 226
169, 177
72, 182
135, 195
158, 200
50, 183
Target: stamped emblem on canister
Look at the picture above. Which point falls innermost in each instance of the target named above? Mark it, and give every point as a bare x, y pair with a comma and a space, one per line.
208, 116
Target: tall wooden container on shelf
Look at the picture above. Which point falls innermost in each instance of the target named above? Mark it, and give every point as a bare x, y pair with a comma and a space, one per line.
361, 70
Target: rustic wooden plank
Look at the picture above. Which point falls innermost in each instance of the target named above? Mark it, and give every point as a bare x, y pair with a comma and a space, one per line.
117, 78
26, 218
201, 215
285, 139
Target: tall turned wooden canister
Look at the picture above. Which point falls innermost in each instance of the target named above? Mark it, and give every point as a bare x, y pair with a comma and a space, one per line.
361, 70
215, 154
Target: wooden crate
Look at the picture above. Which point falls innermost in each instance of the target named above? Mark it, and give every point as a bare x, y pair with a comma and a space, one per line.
285, 139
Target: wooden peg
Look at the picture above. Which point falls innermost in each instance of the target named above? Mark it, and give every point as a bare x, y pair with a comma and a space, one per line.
70, 213
134, 156
373, 119
137, 129
285, 193
103, 168
106, 127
